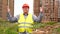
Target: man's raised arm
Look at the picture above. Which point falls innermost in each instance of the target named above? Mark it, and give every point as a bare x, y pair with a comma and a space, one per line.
9, 16
39, 18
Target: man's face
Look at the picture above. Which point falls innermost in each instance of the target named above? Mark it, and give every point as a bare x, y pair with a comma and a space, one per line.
25, 10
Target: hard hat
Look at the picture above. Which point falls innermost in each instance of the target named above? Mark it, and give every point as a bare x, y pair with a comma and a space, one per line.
25, 6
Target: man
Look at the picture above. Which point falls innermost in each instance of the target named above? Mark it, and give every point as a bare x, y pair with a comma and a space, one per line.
25, 20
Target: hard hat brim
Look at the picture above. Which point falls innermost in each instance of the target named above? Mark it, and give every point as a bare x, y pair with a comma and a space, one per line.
25, 7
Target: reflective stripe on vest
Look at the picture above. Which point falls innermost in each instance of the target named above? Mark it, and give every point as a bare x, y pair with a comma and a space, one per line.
24, 23
26, 26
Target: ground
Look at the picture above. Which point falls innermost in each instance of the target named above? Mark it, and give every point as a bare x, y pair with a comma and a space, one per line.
7, 27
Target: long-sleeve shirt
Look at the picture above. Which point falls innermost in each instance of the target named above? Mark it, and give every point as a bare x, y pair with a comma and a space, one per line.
34, 17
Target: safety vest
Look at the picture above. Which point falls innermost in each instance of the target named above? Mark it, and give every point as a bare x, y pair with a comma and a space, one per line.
25, 24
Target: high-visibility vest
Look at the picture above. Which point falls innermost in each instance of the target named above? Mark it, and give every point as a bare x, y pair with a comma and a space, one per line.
25, 24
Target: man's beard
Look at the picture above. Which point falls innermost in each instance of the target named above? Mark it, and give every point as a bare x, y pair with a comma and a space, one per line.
25, 12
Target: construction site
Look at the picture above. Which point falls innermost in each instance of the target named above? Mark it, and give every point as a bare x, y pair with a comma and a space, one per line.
50, 23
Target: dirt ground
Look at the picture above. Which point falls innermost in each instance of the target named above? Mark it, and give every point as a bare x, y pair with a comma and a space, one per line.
49, 29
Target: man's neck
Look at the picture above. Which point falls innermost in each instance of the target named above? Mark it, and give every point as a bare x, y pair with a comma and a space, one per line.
25, 14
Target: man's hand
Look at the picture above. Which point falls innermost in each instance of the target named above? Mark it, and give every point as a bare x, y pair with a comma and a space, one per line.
8, 8
41, 9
